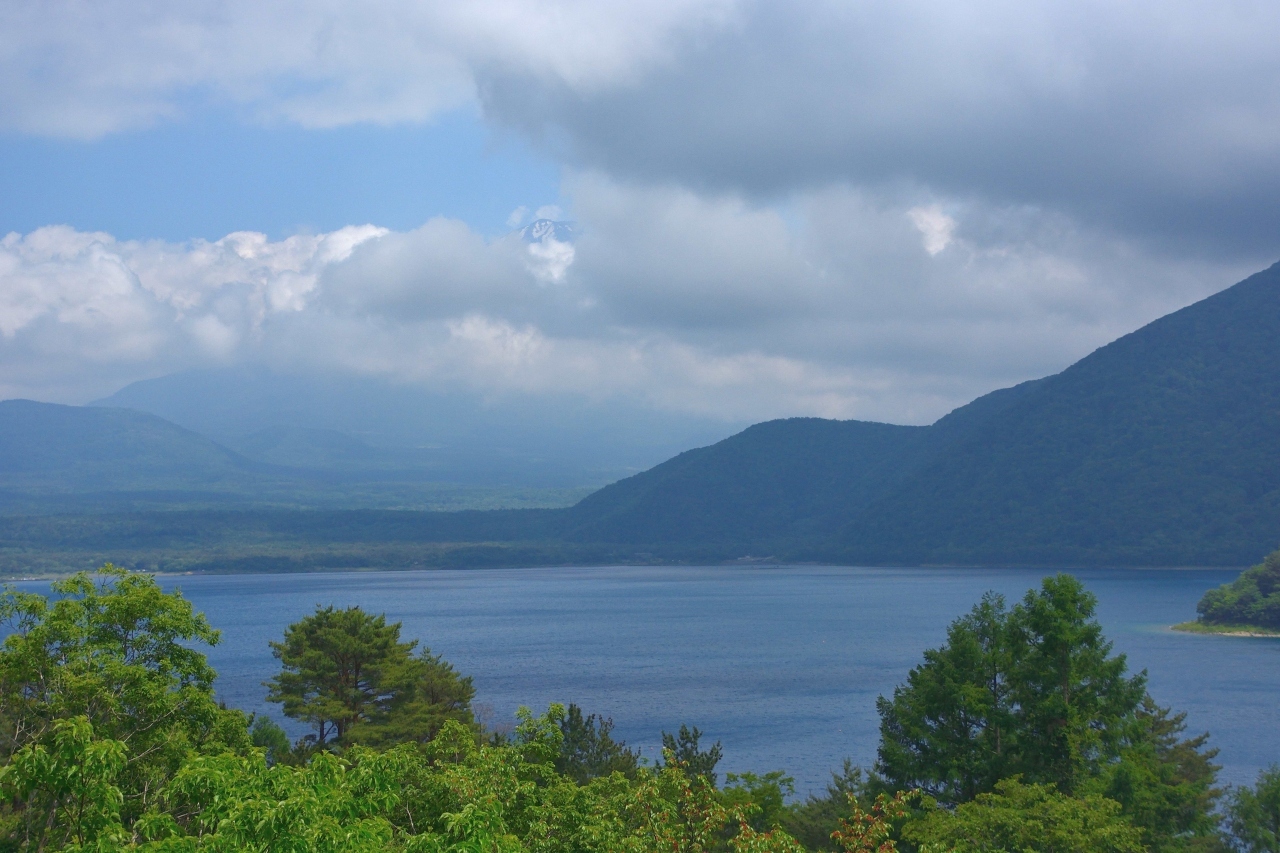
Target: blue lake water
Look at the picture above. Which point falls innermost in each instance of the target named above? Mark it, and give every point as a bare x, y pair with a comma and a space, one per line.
782, 665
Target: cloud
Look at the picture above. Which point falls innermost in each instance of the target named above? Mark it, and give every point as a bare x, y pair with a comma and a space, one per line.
1160, 122
935, 226
83, 70
1157, 121
699, 302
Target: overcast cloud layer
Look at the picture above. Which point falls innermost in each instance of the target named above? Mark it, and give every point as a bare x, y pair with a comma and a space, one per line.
874, 210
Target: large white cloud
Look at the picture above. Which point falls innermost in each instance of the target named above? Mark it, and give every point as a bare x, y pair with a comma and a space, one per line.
846, 303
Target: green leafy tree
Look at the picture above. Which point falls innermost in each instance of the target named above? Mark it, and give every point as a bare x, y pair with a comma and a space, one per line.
1027, 819
1253, 599
683, 749
762, 797
1165, 784
952, 729
1031, 690
425, 691
68, 789
267, 735
347, 674
812, 821
589, 751
119, 654
1253, 814
338, 669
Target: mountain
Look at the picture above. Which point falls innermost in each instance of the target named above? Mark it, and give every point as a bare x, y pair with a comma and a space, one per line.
76, 459
543, 230
72, 454
356, 424
1162, 447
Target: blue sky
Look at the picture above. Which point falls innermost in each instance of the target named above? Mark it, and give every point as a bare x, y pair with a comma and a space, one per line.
211, 174
871, 210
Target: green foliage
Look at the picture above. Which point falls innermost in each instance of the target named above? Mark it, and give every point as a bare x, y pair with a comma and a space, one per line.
682, 749
115, 743
1034, 692
813, 821
873, 830
1252, 599
116, 653
1031, 690
347, 674
1253, 814
1165, 784
764, 797
588, 750
67, 788
266, 734
1028, 819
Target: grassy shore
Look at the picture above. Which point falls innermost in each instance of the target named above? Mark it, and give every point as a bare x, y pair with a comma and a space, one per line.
1229, 630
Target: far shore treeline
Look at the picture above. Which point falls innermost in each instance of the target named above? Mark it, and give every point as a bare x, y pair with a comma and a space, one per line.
1022, 732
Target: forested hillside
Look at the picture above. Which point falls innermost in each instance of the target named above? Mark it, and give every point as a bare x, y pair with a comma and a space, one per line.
1156, 449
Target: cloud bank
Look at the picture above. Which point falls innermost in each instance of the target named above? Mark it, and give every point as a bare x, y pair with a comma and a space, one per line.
873, 210
851, 305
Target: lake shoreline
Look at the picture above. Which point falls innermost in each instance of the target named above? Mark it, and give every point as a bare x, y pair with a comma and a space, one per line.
1225, 630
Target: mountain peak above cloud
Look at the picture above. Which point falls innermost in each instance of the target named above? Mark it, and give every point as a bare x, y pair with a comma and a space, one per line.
543, 230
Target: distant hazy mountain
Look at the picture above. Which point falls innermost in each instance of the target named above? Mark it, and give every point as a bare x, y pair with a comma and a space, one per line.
71, 459
1162, 447
355, 424
68, 458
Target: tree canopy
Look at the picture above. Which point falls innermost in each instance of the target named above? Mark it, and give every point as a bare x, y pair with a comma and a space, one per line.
347, 674
1251, 600
1030, 731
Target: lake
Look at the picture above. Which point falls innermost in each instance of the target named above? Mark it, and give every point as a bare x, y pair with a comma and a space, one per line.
781, 664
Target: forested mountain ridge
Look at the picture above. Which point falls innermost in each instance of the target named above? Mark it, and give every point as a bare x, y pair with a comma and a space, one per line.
1158, 448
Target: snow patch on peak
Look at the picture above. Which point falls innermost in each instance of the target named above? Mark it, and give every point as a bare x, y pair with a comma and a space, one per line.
542, 230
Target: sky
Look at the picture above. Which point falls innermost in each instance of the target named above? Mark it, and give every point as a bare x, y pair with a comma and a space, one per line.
854, 209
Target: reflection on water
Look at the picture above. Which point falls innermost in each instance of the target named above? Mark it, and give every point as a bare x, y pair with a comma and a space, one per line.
783, 665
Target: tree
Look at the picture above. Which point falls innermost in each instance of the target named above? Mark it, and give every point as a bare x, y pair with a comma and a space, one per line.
1028, 819
1251, 599
1073, 697
1032, 690
425, 691
951, 730
813, 821
682, 749
121, 657
1253, 814
589, 751
1165, 784
347, 674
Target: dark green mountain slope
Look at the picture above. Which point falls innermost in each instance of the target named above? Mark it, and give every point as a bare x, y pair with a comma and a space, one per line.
1162, 447
786, 481
764, 482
